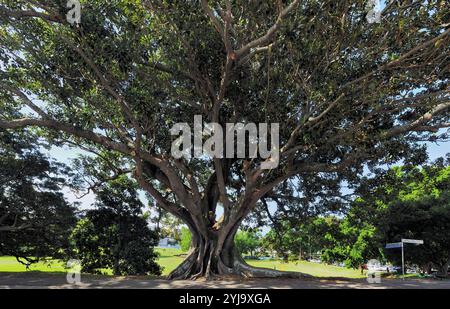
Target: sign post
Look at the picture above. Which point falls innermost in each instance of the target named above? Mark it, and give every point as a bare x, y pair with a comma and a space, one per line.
394, 245
401, 244
413, 241
403, 260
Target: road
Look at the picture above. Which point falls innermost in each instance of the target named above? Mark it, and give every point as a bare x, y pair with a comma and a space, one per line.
58, 281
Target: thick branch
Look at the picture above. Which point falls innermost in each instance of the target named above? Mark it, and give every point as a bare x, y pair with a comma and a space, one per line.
398, 60
216, 22
265, 39
14, 228
26, 100
417, 124
52, 124
31, 14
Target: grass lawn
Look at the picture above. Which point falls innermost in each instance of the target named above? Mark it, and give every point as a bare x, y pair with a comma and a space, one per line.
10, 264
314, 269
170, 258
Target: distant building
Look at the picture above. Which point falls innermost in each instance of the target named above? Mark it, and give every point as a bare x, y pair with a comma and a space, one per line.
168, 243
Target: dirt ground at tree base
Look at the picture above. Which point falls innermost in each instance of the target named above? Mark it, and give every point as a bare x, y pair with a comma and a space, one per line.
58, 281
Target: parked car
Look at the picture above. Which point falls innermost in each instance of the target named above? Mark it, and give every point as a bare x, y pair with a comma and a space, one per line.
376, 266
265, 258
251, 257
412, 270
394, 269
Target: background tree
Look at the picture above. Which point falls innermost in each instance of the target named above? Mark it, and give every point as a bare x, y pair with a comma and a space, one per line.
186, 239
35, 218
403, 202
247, 241
167, 225
115, 235
290, 241
348, 94
411, 202
428, 219
350, 242
406, 202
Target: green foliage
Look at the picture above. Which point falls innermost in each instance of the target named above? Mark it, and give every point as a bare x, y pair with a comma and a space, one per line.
409, 202
403, 202
247, 241
35, 219
115, 235
167, 225
353, 243
335, 239
166, 64
186, 239
427, 218
294, 240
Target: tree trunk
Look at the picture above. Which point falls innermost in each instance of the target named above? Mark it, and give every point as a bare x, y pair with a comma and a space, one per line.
443, 270
209, 259
426, 268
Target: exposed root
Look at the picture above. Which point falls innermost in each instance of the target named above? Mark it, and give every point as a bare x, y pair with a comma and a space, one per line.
192, 269
197, 276
184, 270
212, 259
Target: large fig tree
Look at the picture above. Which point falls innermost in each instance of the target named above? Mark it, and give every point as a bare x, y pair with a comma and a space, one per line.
348, 91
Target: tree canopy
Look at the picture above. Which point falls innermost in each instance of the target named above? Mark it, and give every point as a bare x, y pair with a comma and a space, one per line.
346, 92
35, 218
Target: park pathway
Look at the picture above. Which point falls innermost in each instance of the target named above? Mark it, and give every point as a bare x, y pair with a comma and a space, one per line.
58, 281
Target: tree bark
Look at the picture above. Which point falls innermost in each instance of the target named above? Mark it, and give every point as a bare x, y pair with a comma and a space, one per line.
426, 268
213, 253
443, 270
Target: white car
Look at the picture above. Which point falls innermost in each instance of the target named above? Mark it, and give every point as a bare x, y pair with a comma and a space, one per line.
377, 267
394, 269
